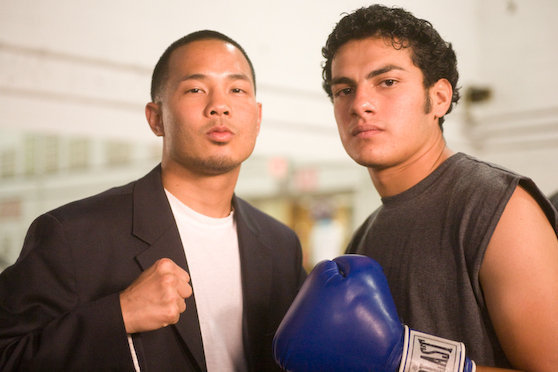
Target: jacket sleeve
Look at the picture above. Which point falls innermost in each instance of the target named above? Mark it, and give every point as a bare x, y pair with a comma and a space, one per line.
45, 323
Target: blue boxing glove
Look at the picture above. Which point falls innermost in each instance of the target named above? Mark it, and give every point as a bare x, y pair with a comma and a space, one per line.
344, 319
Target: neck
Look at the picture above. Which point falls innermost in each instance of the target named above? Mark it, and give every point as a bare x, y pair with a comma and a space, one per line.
210, 195
394, 180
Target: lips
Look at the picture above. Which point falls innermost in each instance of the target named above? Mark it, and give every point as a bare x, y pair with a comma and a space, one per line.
220, 134
365, 130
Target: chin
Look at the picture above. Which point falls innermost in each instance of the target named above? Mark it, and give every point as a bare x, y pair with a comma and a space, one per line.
371, 162
210, 166
216, 168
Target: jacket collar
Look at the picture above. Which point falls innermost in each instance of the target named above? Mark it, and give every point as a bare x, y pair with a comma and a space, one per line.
153, 222
257, 269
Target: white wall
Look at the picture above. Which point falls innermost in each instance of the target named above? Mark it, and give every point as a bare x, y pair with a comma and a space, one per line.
517, 54
84, 67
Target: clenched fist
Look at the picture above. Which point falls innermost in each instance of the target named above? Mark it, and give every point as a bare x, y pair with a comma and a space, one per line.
156, 298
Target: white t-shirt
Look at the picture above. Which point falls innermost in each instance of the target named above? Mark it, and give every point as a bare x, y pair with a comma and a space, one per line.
211, 247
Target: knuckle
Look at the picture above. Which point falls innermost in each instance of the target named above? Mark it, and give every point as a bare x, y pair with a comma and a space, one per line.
164, 264
172, 315
168, 279
169, 314
188, 290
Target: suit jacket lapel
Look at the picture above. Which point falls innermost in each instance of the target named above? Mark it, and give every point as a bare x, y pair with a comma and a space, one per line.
154, 223
256, 268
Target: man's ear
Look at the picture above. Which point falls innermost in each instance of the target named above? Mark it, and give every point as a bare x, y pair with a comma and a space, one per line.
441, 94
155, 118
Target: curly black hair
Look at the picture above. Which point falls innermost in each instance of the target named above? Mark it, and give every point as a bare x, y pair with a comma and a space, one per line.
554, 199
429, 52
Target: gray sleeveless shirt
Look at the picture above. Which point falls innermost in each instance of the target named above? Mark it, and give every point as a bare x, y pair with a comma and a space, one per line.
430, 241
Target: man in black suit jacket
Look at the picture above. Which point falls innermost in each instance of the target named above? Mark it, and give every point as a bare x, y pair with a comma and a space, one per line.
103, 283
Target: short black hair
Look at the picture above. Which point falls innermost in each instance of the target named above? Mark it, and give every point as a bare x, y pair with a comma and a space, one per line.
161, 70
429, 52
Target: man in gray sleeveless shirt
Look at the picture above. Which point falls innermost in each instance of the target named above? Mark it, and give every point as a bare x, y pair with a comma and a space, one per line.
470, 249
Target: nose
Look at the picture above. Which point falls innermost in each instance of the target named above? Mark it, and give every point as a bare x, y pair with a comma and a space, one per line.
219, 110
218, 105
363, 103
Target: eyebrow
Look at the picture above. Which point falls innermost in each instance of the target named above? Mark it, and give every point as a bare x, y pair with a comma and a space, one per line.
372, 74
203, 77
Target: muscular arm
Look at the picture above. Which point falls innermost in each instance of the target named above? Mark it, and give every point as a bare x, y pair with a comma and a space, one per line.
519, 277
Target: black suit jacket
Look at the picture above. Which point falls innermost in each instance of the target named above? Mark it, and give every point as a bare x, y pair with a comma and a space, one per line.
60, 306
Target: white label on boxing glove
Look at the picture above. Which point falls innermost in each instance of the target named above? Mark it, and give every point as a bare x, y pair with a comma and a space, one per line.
426, 353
